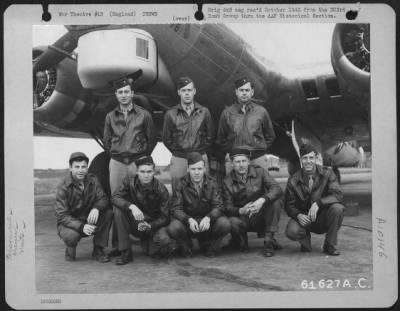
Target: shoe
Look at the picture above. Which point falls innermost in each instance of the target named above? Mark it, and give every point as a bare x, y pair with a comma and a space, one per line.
145, 245
70, 253
244, 243
268, 250
305, 245
232, 245
186, 249
211, 253
204, 246
330, 250
99, 255
304, 249
114, 252
165, 252
276, 245
125, 257
187, 253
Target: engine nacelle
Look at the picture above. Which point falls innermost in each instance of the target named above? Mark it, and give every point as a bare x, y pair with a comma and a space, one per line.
105, 55
350, 56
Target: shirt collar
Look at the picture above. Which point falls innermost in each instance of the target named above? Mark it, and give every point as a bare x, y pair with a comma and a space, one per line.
251, 172
183, 106
195, 106
303, 178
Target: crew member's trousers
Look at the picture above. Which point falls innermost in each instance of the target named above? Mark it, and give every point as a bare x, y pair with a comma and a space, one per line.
118, 171
265, 221
152, 242
210, 238
329, 220
71, 237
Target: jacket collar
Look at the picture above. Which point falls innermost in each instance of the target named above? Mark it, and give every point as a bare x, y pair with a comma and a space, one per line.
238, 106
138, 185
69, 180
133, 109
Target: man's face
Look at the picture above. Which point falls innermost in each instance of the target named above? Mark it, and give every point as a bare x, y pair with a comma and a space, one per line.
196, 171
145, 173
124, 95
187, 93
241, 164
79, 170
244, 93
309, 162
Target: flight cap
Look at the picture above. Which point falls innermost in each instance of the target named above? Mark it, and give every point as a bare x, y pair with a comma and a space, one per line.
306, 149
240, 151
78, 156
194, 157
242, 81
146, 160
126, 80
182, 82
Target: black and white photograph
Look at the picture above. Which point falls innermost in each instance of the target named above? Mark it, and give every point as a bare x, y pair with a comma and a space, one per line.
203, 158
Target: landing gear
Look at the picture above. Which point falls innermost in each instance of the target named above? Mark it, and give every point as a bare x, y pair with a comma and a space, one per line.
335, 169
100, 167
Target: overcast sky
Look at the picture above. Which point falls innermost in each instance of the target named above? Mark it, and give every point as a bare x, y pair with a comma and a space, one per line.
288, 45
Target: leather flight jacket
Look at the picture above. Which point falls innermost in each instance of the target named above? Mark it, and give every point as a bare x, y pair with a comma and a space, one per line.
183, 133
252, 130
127, 139
325, 191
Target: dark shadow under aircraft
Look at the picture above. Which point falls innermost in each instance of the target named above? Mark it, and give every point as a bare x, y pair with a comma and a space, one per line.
72, 95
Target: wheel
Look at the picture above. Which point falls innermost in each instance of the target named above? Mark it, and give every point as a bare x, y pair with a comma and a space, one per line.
100, 167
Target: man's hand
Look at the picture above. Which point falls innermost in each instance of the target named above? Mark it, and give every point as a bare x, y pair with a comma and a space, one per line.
204, 224
312, 213
256, 206
304, 220
136, 212
93, 216
245, 209
193, 225
144, 226
88, 229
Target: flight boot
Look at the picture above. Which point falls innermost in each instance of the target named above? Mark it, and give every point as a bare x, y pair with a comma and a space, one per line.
70, 253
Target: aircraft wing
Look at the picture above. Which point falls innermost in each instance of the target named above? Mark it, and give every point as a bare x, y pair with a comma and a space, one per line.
72, 93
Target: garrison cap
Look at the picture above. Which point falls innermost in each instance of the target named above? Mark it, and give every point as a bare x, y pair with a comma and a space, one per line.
240, 151
146, 160
306, 149
78, 156
194, 157
242, 81
182, 82
126, 80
